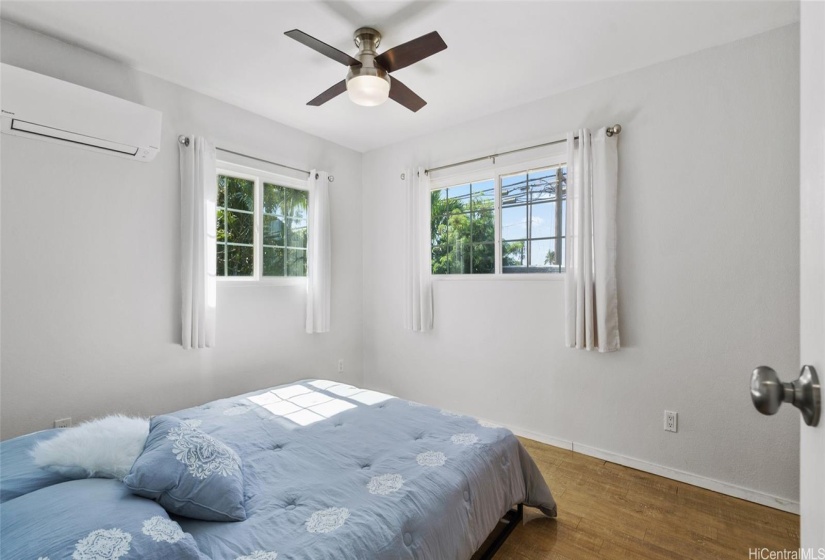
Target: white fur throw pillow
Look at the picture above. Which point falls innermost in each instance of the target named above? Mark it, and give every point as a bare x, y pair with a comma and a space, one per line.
102, 448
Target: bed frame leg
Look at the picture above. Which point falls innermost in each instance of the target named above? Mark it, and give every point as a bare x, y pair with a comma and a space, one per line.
511, 519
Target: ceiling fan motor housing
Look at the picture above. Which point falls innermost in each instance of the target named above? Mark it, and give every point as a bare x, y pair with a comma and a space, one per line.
367, 40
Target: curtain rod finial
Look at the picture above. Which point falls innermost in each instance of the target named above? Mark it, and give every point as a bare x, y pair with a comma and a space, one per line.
615, 129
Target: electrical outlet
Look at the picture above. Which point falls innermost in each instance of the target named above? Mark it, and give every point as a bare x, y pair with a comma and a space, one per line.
63, 423
671, 421
341, 365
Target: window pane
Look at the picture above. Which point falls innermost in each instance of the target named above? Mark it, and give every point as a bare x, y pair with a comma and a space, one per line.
543, 220
513, 256
273, 230
484, 226
543, 253
296, 262
459, 198
514, 189
221, 190
240, 194
273, 199
484, 258
460, 257
440, 260
220, 269
239, 260
239, 227
273, 261
462, 221
296, 233
542, 185
483, 195
459, 231
514, 222
296, 203
221, 225
438, 230
532, 231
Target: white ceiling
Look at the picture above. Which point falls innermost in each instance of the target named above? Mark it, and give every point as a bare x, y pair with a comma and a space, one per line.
500, 54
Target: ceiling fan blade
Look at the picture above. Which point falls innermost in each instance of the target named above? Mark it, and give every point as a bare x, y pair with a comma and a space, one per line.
323, 48
405, 96
332, 92
411, 52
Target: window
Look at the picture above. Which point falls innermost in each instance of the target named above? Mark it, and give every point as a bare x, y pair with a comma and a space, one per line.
262, 225
532, 220
463, 229
505, 223
285, 231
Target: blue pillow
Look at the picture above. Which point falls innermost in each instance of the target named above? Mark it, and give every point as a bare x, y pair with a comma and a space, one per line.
189, 472
91, 518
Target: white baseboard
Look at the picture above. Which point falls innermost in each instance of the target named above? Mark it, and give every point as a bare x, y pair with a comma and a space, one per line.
667, 472
541, 438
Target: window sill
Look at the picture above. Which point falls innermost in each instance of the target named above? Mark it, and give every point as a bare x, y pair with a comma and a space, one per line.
536, 277
266, 282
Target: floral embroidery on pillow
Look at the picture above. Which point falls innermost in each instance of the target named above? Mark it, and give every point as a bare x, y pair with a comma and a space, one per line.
201, 453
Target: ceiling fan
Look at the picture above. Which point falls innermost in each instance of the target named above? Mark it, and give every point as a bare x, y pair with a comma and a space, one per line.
368, 82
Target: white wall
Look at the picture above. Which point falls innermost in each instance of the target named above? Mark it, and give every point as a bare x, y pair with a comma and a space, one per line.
90, 263
708, 274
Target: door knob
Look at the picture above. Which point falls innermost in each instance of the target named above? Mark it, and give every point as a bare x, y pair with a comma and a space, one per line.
768, 392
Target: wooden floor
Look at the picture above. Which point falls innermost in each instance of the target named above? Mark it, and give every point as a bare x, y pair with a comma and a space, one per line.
610, 511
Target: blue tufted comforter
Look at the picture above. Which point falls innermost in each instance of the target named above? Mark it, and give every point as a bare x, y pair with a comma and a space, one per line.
337, 472
330, 472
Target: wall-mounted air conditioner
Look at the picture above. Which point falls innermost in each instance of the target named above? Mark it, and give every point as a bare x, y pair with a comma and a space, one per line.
44, 108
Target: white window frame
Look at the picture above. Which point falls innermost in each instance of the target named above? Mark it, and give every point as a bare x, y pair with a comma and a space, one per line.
495, 172
259, 177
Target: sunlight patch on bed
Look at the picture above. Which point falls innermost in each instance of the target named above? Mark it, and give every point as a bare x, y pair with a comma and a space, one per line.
301, 404
363, 396
370, 397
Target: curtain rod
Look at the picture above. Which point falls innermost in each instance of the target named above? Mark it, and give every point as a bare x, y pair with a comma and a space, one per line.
611, 130
185, 141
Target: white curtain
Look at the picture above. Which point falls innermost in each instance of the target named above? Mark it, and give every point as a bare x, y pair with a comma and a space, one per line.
591, 303
319, 262
198, 198
418, 292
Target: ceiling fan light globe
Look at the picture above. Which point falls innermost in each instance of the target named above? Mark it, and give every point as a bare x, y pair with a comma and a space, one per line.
368, 91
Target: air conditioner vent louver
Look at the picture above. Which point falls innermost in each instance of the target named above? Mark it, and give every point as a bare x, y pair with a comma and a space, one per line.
44, 108
72, 137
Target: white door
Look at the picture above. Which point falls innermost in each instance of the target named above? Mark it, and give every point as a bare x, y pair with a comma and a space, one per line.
812, 262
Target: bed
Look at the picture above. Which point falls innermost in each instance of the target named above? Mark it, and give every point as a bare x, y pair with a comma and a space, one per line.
330, 471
